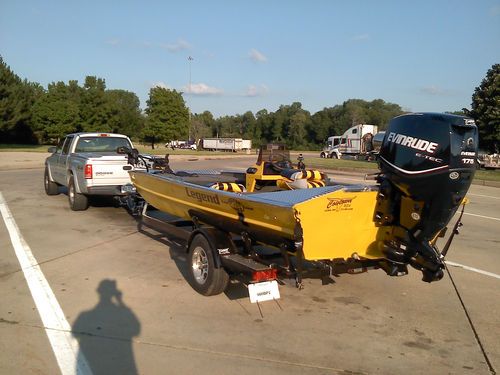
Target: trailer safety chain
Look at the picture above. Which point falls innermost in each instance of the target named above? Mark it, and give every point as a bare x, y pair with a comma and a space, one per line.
471, 324
455, 230
299, 250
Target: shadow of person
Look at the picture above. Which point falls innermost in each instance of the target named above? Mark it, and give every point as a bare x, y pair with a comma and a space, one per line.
105, 333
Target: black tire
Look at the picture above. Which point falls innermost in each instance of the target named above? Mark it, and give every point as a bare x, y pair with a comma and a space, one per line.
77, 201
205, 278
322, 155
51, 188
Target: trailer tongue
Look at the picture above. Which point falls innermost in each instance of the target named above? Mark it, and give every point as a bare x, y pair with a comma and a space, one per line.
319, 230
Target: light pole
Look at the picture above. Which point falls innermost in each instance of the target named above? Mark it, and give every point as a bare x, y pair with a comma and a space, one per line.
189, 90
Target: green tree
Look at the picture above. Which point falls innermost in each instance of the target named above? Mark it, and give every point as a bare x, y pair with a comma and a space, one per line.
262, 122
95, 111
297, 130
167, 116
16, 99
486, 109
201, 125
124, 112
57, 112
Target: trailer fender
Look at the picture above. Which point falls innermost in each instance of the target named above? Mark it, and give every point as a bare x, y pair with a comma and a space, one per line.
220, 242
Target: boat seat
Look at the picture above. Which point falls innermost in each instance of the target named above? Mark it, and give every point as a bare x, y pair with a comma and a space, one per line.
309, 174
287, 184
229, 186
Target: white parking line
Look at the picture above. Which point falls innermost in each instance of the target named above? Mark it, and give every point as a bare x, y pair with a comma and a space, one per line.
57, 328
491, 274
483, 196
482, 216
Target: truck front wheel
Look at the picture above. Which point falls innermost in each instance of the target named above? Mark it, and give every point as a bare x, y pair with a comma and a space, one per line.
205, 278
77, 201
51, 188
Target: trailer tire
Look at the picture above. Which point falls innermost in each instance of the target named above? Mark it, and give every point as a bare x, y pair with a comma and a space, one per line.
77, 201
205, 277
51, 188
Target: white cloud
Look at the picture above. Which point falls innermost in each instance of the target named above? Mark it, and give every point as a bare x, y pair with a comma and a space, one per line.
437, 91
361, 37
495, 10
257, 56
202, 89
113, 41
180, 45
253, 90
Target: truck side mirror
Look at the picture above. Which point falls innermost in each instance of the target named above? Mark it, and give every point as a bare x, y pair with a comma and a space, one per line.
52, 149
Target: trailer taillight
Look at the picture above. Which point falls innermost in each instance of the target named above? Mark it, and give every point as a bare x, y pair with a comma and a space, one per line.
88, 171
265, 275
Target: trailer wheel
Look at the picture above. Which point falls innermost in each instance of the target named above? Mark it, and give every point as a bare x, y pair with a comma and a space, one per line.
205, 278
77, 201
51, 188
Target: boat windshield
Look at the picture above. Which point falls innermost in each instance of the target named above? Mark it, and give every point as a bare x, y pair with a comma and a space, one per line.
274, 153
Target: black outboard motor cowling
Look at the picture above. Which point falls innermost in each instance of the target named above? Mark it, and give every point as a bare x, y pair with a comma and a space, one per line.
427, 162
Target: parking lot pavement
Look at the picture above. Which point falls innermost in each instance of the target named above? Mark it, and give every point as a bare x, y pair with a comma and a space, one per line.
125, 296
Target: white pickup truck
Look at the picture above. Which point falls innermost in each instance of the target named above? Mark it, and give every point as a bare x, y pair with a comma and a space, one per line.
88, 164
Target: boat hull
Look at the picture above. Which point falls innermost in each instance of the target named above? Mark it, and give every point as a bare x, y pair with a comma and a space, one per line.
331, 222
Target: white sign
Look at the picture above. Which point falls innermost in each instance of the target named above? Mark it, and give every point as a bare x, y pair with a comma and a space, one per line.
266, 291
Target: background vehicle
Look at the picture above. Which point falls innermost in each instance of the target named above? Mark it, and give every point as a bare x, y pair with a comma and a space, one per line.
226, 144
88, 164
491, 161
357, 140
190, 145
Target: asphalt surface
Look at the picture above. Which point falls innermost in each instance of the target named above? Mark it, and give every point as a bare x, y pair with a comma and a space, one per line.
156, 324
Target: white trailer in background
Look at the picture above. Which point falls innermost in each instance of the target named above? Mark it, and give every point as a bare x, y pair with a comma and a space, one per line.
226, 144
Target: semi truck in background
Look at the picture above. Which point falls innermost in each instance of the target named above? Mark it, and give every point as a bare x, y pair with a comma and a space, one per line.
226, 144
357, 140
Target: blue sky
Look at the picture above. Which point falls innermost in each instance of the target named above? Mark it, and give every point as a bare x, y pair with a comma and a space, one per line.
252, 55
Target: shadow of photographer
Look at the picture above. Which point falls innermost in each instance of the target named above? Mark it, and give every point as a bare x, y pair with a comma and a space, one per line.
105, 333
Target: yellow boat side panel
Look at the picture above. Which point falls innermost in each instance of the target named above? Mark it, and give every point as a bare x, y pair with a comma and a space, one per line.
339, 224
177, 198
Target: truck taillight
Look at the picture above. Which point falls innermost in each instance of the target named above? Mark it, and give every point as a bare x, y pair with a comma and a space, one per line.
88, 171
265, 275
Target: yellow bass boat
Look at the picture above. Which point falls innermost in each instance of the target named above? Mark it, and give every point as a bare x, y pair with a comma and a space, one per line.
425, 172
317, 216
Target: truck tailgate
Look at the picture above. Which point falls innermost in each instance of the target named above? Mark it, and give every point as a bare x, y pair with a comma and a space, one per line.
109, 170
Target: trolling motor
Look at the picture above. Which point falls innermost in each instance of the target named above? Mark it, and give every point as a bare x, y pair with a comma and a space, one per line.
427, 163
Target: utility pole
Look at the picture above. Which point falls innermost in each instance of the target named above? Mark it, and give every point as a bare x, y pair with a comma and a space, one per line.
189, 91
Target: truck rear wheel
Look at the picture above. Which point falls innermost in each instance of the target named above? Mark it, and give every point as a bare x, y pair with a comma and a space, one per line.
51, 188
205, 278
77, 201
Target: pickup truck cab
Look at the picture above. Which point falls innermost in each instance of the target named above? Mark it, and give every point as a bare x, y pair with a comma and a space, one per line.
88, 164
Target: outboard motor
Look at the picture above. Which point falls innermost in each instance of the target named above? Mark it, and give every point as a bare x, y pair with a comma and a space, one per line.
427, 163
